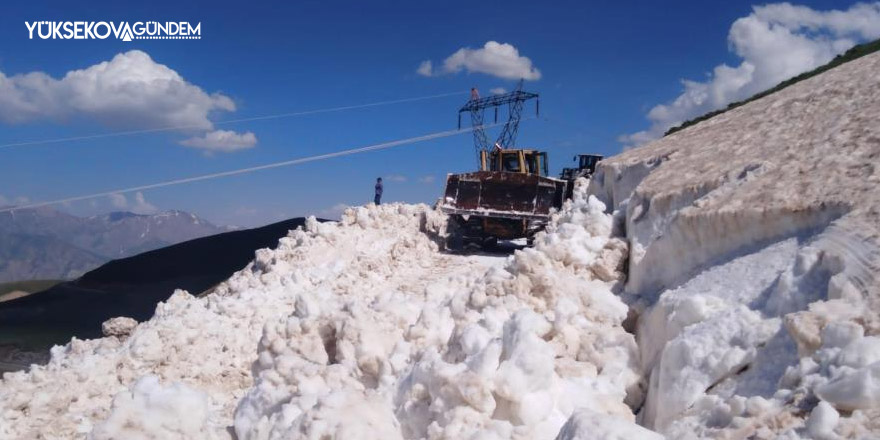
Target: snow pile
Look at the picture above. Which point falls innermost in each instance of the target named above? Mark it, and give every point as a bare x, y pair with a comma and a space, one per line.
510, 352
754, 249
362, 329
210, 344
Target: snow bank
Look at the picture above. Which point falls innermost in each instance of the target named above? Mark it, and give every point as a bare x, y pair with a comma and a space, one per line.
210, 344
361, 329
754, 249
510, 352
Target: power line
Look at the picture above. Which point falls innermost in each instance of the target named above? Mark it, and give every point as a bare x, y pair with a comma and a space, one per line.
229, 121
375, 147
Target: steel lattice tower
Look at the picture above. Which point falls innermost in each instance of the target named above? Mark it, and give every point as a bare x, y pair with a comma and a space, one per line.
476, 106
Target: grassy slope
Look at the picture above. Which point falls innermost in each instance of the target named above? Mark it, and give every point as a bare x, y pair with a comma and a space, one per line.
852, 54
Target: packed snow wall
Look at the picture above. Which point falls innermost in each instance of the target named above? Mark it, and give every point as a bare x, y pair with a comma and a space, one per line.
753, 263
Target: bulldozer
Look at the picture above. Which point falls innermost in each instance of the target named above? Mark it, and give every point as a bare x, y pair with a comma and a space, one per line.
512, 195
586, 167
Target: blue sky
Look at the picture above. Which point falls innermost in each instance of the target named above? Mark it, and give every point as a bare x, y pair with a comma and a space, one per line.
603, 68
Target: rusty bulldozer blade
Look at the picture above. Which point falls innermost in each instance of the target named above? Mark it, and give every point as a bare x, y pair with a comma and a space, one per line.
502, 195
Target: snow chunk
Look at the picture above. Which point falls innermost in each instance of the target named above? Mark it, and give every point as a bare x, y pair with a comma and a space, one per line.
153, 411
860, 353
853, 389
589, 425
120, 327
700, 357
822, 421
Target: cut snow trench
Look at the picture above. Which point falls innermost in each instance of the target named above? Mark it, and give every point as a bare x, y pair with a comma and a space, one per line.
753, 259
712, 289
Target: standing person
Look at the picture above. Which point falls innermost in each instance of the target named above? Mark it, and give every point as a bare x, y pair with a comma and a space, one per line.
377, 200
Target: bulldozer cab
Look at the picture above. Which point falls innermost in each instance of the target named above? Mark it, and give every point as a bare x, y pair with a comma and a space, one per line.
588, 162
515, 161
586, 167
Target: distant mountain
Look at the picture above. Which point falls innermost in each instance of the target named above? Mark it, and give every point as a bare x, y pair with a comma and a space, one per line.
45, 243
31, 257
131, 286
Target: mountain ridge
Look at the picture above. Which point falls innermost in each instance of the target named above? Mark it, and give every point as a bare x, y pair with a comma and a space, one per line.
133, 286
49, 243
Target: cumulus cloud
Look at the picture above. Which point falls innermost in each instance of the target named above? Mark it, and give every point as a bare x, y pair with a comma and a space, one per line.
426, 68
139, 206
498, 91
497, 59
859, 19
775, 42
118, 201
130, 90
222, 140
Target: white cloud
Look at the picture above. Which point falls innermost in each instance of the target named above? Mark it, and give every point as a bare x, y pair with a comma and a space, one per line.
860, 19
776, 42
222, 140
140, 205
427, 179
131, 90
118, 201
395, 178
497, 59
426, 68
498, 91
